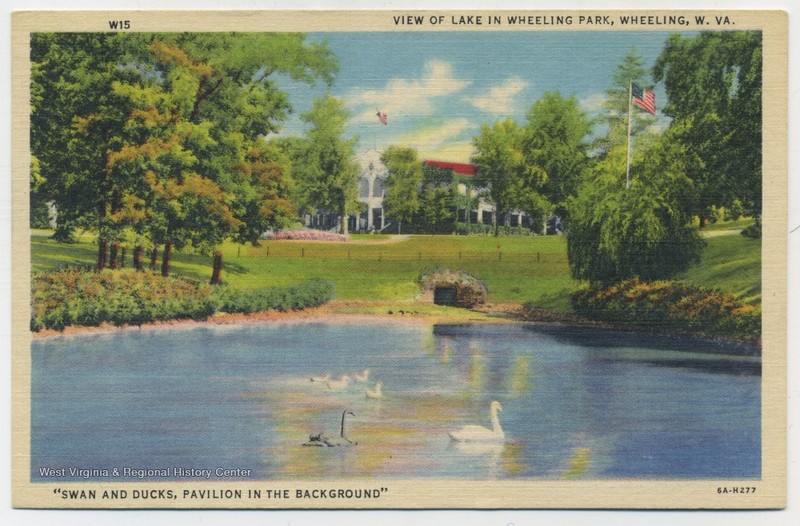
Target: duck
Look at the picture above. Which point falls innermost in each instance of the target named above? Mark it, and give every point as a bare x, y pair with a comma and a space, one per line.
321, 378
473, 433
321, 439
376, 392
341, 383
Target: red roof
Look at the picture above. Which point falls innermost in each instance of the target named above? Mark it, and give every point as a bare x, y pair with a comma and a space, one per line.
459, 168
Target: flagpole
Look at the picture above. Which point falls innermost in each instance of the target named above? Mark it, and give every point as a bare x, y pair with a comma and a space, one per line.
628, 160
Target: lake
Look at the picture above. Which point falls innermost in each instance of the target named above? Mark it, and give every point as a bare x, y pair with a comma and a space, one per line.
576, 403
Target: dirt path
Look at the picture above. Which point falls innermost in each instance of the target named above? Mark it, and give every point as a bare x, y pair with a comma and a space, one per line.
393, 238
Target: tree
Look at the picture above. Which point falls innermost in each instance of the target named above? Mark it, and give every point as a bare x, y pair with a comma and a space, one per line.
326, 168
265, 195
225, 86
160, 136
39, 211
436, 212
501, 166
617, 102
713, 84
403, 183
616, 233
555, 144
77, 122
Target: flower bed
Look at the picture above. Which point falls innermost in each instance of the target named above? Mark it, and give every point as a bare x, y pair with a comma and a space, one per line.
305, 235
79, 297
671, 305
83, 297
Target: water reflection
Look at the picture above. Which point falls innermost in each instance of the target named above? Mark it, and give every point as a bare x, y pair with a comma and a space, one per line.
246, 398
477, 366
578, 463
519, 377
486, 458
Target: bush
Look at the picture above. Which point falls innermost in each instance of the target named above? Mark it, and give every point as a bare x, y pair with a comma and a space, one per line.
469, 290
754, 230
479, 228
670, 305
310, 294
74, 296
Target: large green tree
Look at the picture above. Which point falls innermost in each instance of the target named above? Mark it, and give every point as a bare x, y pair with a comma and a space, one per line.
616, 232
403, 183
77, 123
631, 70
222, 83
162, 134
713, 84
326, 168
556, 146
501, 166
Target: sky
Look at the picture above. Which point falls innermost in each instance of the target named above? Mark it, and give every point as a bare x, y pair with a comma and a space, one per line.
438, 88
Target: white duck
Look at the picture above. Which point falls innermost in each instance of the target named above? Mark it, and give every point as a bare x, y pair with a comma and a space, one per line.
362, 376
321, 378
479, 433
341, 383
374, 393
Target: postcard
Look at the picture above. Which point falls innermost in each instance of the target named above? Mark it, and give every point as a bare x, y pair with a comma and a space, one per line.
399, 259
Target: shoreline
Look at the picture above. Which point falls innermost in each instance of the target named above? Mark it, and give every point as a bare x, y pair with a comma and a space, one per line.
337, 312
398, 313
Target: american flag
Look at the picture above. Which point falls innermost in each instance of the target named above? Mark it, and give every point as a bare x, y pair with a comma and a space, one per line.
383, 118
645, 99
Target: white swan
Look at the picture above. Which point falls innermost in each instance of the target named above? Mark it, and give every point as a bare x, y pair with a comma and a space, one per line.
362, 376
479, 433
321, 439
341, 383
374, 393
321, 378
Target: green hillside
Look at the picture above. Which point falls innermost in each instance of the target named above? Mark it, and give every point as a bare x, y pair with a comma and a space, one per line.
384, 268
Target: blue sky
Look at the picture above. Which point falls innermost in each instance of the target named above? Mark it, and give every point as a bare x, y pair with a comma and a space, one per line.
438, 88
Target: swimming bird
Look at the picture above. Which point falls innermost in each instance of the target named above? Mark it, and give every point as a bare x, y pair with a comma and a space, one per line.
318, 440
363, 376
321, 439
341, 383
321, 378
374, 393
342, 440
481, 434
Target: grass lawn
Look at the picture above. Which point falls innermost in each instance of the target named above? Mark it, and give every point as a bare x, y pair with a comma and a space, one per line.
731, 263
385, 268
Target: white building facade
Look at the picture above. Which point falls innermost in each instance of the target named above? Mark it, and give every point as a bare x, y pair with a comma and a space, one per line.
372, 190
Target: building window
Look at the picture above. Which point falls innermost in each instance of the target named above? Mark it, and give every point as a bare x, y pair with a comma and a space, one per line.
377, 190
363, 190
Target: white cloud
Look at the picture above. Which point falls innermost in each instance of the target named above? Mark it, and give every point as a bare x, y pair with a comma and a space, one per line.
407, 96
431, 139
500, 99
457, 152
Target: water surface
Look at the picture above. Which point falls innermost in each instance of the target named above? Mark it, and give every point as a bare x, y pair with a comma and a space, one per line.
576, 404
